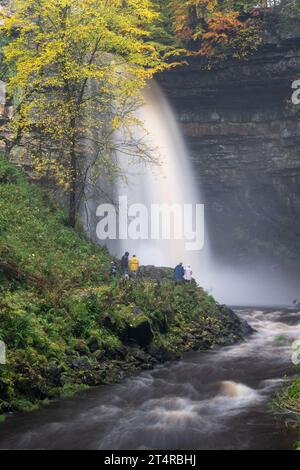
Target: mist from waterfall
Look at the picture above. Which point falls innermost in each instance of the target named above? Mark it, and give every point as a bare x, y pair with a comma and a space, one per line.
173, 182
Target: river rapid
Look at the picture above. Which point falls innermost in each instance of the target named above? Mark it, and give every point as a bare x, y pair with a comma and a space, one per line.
208, 400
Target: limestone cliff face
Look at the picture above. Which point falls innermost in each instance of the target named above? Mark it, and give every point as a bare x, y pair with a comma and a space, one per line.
244, 139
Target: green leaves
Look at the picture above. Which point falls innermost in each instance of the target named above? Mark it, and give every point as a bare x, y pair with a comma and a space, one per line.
34, 238
8, 173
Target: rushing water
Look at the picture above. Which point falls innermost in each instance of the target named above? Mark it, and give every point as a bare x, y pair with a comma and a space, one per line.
212, 400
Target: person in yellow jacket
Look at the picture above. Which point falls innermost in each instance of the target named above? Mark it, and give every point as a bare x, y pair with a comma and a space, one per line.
134, 266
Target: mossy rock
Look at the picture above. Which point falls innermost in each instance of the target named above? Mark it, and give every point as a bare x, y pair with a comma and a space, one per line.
99, 355
93, 344
81, 348
155, 273
139, 330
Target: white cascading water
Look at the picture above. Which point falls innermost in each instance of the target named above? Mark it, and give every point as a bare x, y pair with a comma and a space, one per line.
172, 182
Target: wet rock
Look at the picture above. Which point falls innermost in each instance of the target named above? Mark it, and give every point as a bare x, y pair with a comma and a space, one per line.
139, 331
81, 363
147, 366
93, 344
4, 390
81, 348
91, 378
117, 353
162, 354
162, 322
70, 352
99, 355
106, 321
154, 361
233, 323
246, 329
113, 376
53, 375
187, 337
155, 273
6, 407
201, 345
139, 355
136, 310
33, 388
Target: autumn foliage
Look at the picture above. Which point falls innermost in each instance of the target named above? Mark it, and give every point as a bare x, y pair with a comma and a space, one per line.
226, 35
216, 30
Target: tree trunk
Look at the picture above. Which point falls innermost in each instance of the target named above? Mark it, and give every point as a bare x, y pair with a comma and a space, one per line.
72, 208
73, 189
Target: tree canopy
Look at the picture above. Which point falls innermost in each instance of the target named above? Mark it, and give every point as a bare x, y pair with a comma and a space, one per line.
77, 69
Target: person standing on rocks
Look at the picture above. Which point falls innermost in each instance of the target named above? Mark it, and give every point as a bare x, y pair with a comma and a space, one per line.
179, 273
113, 269
134, 266
125, 264
188, 273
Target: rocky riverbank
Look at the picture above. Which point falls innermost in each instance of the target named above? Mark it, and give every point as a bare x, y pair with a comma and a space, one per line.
149, 339
112, 332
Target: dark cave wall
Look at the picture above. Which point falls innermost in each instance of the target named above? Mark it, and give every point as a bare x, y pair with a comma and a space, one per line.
244, 139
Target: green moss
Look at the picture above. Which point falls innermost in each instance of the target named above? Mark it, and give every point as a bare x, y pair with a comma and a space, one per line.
26, 405
70, 389
294, 391
297, 445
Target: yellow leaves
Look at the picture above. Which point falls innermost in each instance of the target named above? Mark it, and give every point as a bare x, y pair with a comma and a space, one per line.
45, 166
116, 122
78, 65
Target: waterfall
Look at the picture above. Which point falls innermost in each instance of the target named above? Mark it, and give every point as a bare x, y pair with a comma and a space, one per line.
171, 182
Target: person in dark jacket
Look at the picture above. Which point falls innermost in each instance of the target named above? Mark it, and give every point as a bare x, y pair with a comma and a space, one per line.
179, 273
113, 269
125, 264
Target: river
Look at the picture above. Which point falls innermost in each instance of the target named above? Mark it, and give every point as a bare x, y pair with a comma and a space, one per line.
208, 400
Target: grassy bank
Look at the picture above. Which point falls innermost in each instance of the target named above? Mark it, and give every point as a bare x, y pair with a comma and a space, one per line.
66, 324
289, 400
